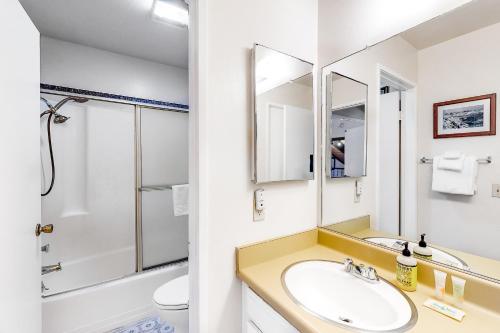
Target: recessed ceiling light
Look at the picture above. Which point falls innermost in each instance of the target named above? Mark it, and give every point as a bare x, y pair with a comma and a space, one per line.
171, 11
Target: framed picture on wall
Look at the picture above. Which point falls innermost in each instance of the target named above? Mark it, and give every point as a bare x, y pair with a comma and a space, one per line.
473, 116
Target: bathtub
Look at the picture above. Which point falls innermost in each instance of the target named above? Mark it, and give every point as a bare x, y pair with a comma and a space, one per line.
89, 271
100, 308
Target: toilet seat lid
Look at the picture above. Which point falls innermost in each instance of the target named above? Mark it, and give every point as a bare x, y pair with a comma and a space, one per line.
174, 294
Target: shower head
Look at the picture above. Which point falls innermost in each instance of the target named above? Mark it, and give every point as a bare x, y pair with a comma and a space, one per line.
53, 109
68, 99
59, 118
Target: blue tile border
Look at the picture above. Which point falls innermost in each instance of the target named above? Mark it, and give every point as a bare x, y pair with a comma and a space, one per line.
76, 91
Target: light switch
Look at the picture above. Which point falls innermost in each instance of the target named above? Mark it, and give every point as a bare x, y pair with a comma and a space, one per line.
358, 190
495, 190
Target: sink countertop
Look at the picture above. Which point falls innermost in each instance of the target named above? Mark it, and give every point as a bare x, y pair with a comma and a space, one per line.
261, 266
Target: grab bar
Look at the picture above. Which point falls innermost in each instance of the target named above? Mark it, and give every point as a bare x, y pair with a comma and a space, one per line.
51, 268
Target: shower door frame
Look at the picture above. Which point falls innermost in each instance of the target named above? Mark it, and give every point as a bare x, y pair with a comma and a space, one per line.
138, 181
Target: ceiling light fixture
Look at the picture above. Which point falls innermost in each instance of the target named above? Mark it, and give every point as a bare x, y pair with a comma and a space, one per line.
171, 11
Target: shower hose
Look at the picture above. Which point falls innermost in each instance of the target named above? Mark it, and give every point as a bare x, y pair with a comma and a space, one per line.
52, 164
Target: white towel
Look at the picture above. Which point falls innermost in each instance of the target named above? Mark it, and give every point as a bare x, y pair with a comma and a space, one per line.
455, 182
451, 161
180, 196
453, 155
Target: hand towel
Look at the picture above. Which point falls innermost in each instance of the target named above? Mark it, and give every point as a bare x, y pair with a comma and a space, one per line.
180, 196
453, 155
451, 161
455, 182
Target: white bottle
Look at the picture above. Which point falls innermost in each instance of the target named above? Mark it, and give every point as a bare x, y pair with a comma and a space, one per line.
406, 270
422, 251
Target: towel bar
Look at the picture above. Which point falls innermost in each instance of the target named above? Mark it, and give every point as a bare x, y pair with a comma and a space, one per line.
155, 188
486, 160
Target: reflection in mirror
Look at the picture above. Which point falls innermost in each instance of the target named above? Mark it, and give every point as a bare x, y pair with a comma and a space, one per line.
346, 117
283, 115
432, 129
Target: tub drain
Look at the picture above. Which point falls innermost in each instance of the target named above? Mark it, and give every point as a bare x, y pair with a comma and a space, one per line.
346, 320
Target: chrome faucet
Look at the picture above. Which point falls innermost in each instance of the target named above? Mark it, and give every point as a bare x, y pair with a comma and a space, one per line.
365, 273
51, 268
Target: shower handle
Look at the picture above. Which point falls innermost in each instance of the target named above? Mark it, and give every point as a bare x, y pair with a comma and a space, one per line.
47, 229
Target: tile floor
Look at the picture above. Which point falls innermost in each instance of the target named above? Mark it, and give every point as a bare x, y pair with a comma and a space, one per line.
146, 325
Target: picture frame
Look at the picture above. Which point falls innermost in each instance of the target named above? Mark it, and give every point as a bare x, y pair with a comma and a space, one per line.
472, 116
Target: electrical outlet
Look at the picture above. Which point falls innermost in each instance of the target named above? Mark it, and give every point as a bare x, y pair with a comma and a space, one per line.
495, 190
259, 213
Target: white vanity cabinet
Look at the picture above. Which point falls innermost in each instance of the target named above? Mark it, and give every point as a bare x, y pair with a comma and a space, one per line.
259, 317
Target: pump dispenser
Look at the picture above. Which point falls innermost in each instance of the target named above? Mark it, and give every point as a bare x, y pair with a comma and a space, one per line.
422, 251
406, 270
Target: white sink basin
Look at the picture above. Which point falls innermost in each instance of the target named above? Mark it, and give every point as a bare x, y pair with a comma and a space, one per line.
324, 289
437, 255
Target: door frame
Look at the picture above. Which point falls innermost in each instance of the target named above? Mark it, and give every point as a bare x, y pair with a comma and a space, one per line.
408, 156
198, 167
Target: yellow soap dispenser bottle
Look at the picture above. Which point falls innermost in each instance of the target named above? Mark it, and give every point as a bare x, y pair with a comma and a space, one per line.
406, 270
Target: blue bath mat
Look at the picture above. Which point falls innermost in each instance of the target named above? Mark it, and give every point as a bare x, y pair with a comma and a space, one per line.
147, 325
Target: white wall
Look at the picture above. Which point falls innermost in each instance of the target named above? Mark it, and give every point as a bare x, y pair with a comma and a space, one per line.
225, 145
77, 66
462, 67
346, 26
338, 194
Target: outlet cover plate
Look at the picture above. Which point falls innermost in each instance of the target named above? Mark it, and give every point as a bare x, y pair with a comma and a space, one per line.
495, 190
258, 215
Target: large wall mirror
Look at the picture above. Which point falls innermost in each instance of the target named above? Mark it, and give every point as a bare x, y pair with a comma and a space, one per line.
283, 117
427, 99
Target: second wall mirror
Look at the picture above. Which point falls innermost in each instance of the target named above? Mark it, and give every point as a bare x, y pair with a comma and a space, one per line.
283, 117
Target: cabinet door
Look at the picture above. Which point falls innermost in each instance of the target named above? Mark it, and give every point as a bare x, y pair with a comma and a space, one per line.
259, 317
252, 328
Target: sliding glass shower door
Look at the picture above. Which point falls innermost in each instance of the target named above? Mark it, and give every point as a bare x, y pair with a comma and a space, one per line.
112, 200
163, 149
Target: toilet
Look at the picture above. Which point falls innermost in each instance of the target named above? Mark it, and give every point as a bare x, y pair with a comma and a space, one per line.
171, 300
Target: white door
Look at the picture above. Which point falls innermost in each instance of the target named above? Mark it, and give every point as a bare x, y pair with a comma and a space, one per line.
409, 164
20, 305
388, 169
299, 142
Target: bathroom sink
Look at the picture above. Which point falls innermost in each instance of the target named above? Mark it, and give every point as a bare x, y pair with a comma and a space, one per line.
437, 255
327, 291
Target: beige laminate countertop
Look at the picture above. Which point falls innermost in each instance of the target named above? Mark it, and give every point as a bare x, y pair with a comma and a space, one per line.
261, 265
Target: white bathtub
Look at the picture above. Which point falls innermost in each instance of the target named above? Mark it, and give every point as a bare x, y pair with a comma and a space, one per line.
90, 271
101, 308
